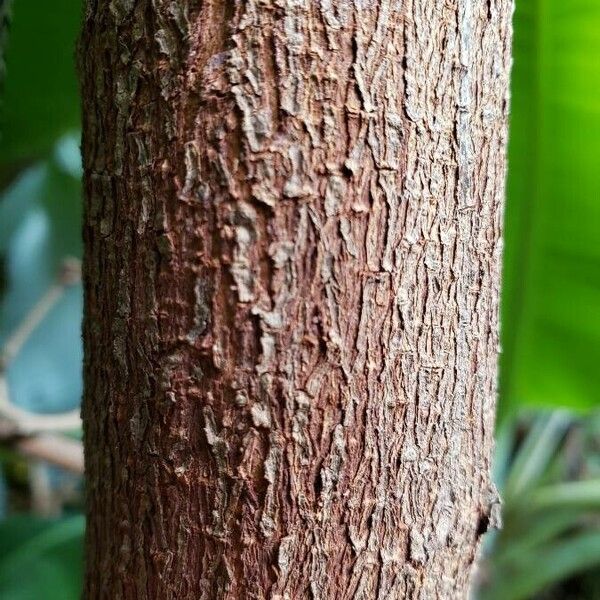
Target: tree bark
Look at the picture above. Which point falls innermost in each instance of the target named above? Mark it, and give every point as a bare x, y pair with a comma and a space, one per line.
292, 229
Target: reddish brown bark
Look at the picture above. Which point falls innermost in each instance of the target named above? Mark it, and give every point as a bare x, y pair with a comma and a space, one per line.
292, 230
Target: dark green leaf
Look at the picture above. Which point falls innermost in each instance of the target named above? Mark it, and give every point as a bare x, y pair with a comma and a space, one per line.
531, 572
40, 100
41, 559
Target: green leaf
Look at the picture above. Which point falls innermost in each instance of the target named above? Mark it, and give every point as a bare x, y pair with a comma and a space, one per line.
41, 99
535, 454
531, 572
585, 494
525, 533
504, 443
44, 206
17, 201
16, 530
63, 203
551, 295
41, 559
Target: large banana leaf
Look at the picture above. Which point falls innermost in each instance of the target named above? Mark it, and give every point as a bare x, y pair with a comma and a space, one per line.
551, 295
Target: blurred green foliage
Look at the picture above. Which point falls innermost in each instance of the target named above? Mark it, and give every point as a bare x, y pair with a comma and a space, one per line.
40, 216
551, 286
548, 471
41, 559
40, 99
547, 465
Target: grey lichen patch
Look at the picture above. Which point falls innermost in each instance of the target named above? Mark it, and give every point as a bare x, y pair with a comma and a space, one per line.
281, 253
297, 186
261, 416
272, 466
285, 554
121, 8
268, 346
271, 319
167, 42
417, 547
300, 425
192, 167
332, 469
241, 398
346, 231
245, 237
179, 14
217, 444
334, 195
142, 149
353, 162
202, 309
218, 355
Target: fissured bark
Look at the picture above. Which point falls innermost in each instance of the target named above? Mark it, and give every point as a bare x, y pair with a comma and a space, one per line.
292, 229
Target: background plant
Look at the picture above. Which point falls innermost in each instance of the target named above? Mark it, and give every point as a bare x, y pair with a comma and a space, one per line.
547, 464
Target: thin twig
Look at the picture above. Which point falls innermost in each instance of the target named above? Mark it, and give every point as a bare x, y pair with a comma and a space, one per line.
13, 419
54, 449
18, 338
25, 422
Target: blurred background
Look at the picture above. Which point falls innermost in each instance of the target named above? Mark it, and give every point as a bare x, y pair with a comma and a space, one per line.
547, 463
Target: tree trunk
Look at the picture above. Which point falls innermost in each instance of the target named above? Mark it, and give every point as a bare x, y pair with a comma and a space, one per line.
293, 215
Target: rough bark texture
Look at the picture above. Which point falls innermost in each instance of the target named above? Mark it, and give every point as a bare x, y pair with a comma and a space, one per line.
293, 215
